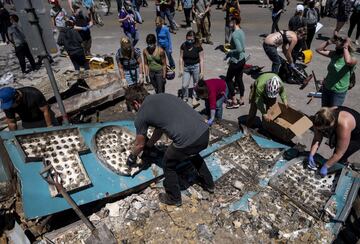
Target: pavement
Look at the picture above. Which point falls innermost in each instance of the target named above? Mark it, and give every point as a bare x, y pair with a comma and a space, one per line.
255, 21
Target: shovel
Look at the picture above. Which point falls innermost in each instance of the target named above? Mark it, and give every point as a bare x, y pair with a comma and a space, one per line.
99, 235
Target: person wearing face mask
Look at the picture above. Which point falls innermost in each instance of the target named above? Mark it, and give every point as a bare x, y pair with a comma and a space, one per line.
340, 68
164, 39
128, 23
129, 62
82, 25
191, 65
155, 64
341, 125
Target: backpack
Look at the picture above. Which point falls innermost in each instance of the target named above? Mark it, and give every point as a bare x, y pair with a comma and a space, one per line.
311, 17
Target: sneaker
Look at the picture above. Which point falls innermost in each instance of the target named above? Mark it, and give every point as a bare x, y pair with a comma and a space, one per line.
232, 105
164, 198
312, 167
210, 190
195, 103
209, 42
172, 31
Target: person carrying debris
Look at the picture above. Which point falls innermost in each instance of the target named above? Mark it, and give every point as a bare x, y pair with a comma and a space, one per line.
129, 62
214, 92
71, 40
30, 104
263, 94
183, 125
22, 50
341, 125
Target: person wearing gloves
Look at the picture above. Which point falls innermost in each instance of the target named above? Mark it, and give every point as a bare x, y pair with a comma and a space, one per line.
214, 92
129, 62
263, 95
31, 106
191, 65
286, 39
164, 39
341, 125
183, 125
83, 24
71, 40
236, 63
155, 64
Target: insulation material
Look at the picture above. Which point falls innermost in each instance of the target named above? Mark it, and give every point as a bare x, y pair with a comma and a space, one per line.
305, 187
113, 147
61, 149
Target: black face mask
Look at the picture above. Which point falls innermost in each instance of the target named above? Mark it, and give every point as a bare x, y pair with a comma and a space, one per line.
151, 48
189, 43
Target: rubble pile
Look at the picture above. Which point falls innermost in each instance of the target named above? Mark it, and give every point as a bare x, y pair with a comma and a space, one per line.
265, 214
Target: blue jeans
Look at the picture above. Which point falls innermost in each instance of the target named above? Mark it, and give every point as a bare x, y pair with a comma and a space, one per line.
190, 71
133, 37
167, 13
271, 52
132, 76
169, 57
331, 99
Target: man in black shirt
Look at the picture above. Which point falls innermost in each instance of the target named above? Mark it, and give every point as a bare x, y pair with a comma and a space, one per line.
30, 104
183, 125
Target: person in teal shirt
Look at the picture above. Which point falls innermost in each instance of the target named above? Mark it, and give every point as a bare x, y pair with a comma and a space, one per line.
342, 64
263, 95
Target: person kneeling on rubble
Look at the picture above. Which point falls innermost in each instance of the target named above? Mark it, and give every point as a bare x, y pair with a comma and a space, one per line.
214, 92
129, 62
263, 94
183, 125
30, 104
341, 125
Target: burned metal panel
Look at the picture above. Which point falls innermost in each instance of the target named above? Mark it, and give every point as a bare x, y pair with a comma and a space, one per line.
60, 149
304, 187
247, 155
36, 197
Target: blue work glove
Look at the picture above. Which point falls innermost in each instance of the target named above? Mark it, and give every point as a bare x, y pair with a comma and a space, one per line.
311, 163
85, 28
210, 122
323, 171
131, 160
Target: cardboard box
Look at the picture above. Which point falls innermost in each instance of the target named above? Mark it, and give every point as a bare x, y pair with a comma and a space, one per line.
286, 123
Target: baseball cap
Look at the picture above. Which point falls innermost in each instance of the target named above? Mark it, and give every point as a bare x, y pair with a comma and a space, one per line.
300, 8
7, 95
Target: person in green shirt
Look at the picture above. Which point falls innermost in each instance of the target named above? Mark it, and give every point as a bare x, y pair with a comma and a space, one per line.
263, 94
155, 64
342, 64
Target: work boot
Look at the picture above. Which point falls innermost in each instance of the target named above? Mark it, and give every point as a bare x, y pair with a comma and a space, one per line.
210, 190
164, 198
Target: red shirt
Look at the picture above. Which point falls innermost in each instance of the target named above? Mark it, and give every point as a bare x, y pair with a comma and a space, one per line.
217, 89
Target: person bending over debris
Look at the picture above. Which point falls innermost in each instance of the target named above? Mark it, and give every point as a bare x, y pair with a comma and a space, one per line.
286, 39
30, 104
342, 126
263, 95
184, 126
72, 42
214, 92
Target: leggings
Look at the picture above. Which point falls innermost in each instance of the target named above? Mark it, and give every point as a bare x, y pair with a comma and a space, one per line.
355, 21
235, 70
